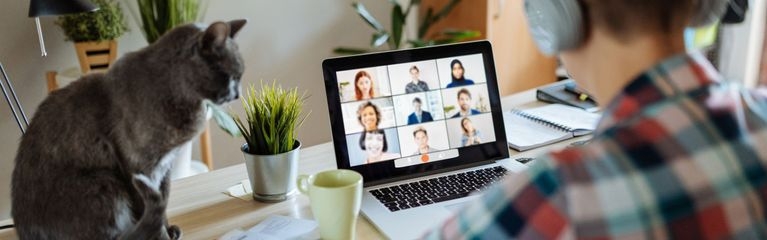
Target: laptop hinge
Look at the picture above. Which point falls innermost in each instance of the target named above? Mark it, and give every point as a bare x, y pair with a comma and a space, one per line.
426, 173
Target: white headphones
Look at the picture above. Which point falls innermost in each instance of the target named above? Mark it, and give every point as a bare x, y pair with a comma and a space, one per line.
557, 25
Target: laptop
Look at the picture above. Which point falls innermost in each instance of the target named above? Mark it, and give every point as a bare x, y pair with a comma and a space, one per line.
424, 128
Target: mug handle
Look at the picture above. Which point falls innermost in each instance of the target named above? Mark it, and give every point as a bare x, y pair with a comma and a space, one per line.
302, 182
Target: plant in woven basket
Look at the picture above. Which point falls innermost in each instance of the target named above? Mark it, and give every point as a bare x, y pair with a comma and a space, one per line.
106, 23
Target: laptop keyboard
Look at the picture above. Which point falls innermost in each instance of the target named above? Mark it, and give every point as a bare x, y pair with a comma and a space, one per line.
438, 189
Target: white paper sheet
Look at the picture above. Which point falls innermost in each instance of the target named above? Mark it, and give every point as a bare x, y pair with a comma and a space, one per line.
277, 227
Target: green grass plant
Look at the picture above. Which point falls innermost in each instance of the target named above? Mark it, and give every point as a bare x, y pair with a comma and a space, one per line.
159, 16
272, 117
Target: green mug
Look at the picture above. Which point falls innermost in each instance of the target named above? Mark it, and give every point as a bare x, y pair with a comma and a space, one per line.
335, 197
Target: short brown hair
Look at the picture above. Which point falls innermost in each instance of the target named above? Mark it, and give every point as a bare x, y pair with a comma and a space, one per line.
420, 129
463, 91
366, 105
624, 18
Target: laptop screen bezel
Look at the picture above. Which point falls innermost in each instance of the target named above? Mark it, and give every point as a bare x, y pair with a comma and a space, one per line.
386, 171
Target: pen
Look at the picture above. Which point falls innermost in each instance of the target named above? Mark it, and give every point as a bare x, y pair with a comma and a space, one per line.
583, 96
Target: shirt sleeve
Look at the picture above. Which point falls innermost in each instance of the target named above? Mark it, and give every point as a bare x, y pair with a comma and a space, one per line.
528, 204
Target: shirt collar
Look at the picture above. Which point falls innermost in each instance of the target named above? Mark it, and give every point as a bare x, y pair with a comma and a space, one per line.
672, 77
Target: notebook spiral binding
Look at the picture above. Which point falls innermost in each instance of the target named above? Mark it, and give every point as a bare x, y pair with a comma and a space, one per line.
542, 121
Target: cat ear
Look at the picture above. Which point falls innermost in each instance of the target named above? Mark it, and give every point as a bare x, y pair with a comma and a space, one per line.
235, 26
215, 35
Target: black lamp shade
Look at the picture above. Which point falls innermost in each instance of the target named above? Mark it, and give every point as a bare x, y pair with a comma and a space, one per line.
39, 8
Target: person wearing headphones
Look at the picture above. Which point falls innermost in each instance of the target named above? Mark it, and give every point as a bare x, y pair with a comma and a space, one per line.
678, 153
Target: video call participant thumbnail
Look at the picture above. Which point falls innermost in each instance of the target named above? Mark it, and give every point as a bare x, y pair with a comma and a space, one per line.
416, 85
464, 104
363, 86
457, 75
418, 115
375, 146
421, 139
369, 116
471, 135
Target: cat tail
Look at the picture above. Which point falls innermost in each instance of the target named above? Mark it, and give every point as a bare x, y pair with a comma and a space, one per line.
151, 225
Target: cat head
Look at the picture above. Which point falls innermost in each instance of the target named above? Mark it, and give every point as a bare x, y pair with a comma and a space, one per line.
208, 62
224, 61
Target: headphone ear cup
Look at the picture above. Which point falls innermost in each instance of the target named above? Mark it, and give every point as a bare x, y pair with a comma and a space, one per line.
708, 12
555, 25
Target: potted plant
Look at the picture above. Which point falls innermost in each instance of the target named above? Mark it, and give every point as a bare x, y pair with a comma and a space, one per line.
394, 38
159, 16
271, 150
94, 34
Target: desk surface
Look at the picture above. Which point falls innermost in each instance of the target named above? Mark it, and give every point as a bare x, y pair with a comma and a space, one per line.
199, 207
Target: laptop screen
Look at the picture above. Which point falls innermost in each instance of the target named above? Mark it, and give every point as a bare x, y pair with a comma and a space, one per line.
411, 112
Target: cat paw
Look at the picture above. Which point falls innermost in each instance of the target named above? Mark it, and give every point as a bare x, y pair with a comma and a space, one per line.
174, 232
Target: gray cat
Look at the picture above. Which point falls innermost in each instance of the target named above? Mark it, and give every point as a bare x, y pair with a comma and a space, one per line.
94, 162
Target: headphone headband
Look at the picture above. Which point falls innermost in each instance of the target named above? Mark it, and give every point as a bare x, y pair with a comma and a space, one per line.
557, 25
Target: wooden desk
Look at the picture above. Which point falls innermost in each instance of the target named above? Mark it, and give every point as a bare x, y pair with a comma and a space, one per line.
198, 205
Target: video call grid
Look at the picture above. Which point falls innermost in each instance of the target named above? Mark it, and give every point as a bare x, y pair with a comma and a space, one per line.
400, 123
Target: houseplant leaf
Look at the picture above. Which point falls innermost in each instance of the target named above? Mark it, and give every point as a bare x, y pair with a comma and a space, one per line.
348, 50
397, 22
421, 43
397, 37
463, 34
446, 10
431, 17
379, 39
363, 12
451, 36
223, 119
425, 23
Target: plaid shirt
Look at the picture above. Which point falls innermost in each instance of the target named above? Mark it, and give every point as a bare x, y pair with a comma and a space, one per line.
677, 154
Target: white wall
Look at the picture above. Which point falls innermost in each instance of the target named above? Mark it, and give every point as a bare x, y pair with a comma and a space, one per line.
742, 46
284, 40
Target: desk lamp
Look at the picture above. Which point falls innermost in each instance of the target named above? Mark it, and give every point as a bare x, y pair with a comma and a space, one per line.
39, 8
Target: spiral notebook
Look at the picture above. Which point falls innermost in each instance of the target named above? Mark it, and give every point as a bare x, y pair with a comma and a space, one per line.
536, 127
